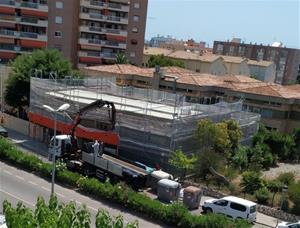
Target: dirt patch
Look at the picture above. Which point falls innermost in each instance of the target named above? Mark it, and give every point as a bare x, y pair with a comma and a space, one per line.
283, 168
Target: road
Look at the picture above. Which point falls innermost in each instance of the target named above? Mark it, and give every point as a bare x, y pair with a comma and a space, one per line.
18, 185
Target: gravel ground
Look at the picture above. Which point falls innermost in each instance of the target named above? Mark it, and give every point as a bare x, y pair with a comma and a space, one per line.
282, 168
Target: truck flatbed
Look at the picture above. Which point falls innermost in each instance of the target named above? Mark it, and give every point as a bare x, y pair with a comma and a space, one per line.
125, 164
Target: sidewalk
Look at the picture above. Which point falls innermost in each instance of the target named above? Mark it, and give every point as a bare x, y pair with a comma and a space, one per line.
28, 144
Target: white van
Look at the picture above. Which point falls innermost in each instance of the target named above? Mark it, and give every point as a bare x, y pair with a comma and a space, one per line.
232, 207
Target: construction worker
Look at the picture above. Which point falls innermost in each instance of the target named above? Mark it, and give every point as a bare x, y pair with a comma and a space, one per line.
96, 147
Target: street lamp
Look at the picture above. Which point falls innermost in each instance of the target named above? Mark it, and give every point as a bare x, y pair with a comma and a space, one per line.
62, 108
284, 190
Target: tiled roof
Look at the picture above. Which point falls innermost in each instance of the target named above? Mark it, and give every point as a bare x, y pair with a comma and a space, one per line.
122, 69
259, 63
157, 51
233, 59
239, 83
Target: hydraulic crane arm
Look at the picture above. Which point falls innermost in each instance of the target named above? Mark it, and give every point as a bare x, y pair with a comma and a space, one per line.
94, 105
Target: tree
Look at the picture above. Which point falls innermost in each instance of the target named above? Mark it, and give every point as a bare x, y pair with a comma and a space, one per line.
274, 186
240, 158
121, 58
251, 181
234, 133
163, 61
281, 145
286, 178
23, 67
262, 195
182, 162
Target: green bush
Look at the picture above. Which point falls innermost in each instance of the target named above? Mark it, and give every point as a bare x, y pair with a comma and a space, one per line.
251, 181
175, 214
294, 195
262, 195
286, 178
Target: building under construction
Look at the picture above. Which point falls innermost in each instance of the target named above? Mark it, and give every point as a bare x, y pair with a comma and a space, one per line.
150, 123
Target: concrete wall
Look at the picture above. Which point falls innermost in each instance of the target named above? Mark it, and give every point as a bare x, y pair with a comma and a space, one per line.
16, 124
262, 73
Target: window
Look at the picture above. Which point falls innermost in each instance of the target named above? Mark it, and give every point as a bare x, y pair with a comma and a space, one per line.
136, 18
134, 42
252, 209
135, 29
220, 49
58, 20
221, 203
237, 207
132, 54
58, 34
136, 5
59, 5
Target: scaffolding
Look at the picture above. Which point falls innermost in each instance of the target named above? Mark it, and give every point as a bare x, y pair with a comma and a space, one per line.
151, 123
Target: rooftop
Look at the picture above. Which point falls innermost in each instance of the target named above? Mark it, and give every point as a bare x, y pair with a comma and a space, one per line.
260, 63
239, 200
239, 83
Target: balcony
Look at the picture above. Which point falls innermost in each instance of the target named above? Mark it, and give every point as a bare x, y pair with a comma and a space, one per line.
33, 5
119, 7
7, 2
32, 21
93, 4
94, 29
32, 35
101, 17
117, 19
10, 47
97, 54
113, 44
10, 33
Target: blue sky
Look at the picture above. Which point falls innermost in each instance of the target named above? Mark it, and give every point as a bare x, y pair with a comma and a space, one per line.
260, 21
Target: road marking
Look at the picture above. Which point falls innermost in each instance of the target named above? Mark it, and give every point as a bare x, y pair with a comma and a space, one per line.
46, 189
61, 195
21, 178
31, 182
92, 208
7, 172
18, 198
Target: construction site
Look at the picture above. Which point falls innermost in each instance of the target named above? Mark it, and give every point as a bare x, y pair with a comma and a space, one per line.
150, 123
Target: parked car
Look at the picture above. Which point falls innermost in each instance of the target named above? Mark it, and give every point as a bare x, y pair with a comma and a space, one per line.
231, 206
2, 221
3, 132
288, 225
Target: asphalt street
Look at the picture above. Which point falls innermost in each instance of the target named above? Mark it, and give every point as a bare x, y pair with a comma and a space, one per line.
18, 185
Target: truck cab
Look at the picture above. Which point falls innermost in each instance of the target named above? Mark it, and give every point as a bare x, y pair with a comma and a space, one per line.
59, 146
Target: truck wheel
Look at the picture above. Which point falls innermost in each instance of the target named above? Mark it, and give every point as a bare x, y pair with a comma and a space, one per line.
208, 210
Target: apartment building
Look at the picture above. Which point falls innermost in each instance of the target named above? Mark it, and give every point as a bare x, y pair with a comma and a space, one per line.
287, 60
87, 32
279, 106
23, 27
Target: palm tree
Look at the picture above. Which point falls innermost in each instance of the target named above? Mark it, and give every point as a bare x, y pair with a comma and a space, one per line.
121, 58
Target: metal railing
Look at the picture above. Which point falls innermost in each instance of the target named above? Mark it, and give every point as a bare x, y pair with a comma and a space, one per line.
7, 32
97, 3
7, 2
30, 5
29, 35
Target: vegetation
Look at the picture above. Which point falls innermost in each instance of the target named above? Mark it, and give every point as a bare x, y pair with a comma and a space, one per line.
24, 66
163, 61
274, 186
262, 195
294, 195
56, 214
182, 162
121, 58
251, 182
175, 214
286, 178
